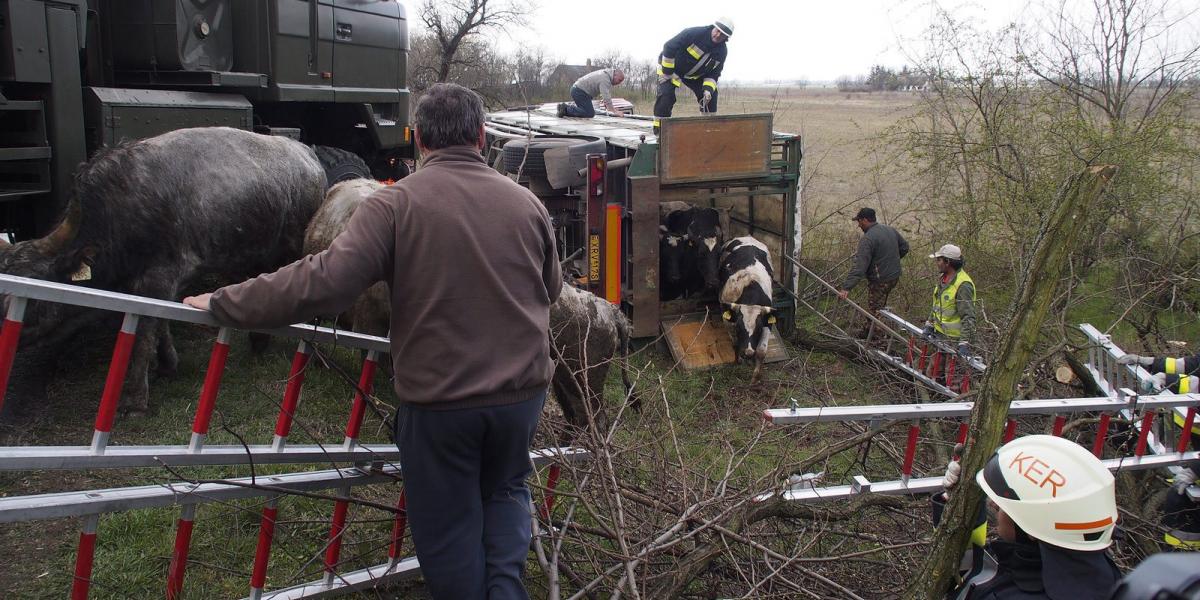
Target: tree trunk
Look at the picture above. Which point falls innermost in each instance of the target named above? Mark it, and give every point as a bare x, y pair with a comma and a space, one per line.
999, 385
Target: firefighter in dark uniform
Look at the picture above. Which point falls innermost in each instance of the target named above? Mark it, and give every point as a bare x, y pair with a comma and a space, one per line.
1055, 510
693, 58
1171, 376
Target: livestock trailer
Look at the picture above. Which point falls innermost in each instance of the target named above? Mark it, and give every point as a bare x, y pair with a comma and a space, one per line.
607, 220
79, 75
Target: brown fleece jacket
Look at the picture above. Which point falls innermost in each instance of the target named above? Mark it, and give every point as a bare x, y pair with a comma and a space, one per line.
470, 260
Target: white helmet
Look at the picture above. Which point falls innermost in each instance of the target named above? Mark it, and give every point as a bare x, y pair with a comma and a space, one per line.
725, 24
1054, 490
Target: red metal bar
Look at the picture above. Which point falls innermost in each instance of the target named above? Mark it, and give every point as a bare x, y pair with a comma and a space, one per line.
115, 381
551, 485
962, 432
910, 451
908, 358
84, 559
950, 372
1185, 436
183, 540
291, 394
1143, 436
212, 383
10, 334
262, 553
1101, 435
1010, 431
924, 357
359, 407
398, 529
1060, 421
965, 385
937, 365
333, 550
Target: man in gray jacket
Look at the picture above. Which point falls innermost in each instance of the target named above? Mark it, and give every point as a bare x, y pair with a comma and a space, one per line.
878, 260
597, 83
470, 262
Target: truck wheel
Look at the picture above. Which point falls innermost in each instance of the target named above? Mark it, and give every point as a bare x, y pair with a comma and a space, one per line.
341, 165
530, 150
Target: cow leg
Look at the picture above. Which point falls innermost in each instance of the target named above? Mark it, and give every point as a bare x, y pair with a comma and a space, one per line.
259, 342
135, 397
168, 359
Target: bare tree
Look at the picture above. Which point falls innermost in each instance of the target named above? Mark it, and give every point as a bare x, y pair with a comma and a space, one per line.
455, 22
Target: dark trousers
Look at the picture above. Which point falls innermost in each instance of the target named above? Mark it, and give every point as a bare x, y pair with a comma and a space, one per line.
583, 104
469, 509
664, 102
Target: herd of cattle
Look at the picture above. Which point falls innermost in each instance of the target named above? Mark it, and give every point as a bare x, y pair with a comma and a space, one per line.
158, 216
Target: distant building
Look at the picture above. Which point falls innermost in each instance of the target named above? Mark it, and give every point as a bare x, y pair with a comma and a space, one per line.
564, 75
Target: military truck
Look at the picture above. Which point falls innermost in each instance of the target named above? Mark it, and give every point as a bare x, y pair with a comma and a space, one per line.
80, 75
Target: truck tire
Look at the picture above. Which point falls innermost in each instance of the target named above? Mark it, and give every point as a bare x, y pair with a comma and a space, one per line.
535, 164
341, 165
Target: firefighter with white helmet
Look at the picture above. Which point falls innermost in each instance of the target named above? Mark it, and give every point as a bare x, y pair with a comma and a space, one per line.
1055, 512
694, 58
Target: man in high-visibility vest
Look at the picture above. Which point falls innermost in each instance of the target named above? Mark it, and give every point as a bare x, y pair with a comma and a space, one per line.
1181, 509
1171, 375
953, 314
695, 58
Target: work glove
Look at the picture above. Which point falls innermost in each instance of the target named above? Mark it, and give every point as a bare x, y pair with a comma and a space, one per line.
707, 96
1154, 383
1130, 359
964, 349
928, 331
662, 78
1181, 482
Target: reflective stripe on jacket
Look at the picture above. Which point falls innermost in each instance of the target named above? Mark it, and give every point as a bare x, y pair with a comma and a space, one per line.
693, 55
947, 319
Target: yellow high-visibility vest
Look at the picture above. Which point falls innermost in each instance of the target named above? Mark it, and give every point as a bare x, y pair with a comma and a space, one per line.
946, 319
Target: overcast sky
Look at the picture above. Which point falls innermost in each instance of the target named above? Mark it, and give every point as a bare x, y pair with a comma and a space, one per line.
773, 39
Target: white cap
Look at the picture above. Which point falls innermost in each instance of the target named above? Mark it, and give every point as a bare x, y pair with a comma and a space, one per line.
725, 24
948, 251
1054, 490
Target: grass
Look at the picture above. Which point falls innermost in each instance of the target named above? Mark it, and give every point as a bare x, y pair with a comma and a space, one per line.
711, 412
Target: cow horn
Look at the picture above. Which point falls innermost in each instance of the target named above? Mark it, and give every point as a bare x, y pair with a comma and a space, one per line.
57, 240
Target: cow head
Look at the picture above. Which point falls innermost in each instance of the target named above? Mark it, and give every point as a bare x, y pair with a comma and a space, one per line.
704, 233
52, 258
752, 330
671, 249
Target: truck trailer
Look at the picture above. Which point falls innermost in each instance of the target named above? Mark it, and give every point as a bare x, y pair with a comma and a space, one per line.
603, 180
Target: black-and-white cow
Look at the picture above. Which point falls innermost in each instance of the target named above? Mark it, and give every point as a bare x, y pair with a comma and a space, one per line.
149, 217
689, 249
746, 292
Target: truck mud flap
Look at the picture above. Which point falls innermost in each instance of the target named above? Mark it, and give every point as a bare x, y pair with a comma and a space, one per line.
697, 341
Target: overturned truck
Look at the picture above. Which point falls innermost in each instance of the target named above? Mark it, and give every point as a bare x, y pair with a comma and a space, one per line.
604, 180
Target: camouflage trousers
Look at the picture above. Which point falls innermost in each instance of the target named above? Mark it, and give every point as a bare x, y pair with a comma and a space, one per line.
877, 295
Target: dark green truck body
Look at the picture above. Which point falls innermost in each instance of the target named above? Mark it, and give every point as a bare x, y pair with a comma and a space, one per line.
79, 75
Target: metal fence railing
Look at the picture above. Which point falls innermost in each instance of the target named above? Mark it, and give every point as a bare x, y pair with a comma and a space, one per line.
362, 464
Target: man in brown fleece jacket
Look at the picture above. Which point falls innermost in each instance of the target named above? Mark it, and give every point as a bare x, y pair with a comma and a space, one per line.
470, 260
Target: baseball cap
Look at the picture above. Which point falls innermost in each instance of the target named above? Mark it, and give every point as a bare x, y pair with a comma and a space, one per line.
949, 251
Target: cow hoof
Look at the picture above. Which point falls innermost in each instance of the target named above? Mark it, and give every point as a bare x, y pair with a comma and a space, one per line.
259, 342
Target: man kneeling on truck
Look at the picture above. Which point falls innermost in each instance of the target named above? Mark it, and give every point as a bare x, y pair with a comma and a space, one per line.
586, 88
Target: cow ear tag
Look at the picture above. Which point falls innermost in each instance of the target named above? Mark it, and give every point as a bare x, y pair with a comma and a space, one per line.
728, 316
771, 320
83, 274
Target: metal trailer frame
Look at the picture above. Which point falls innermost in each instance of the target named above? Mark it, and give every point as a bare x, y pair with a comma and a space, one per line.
370, 465
636, 188
1149, 453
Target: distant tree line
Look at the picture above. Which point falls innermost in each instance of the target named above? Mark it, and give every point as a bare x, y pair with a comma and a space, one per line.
456, 45
884, 79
